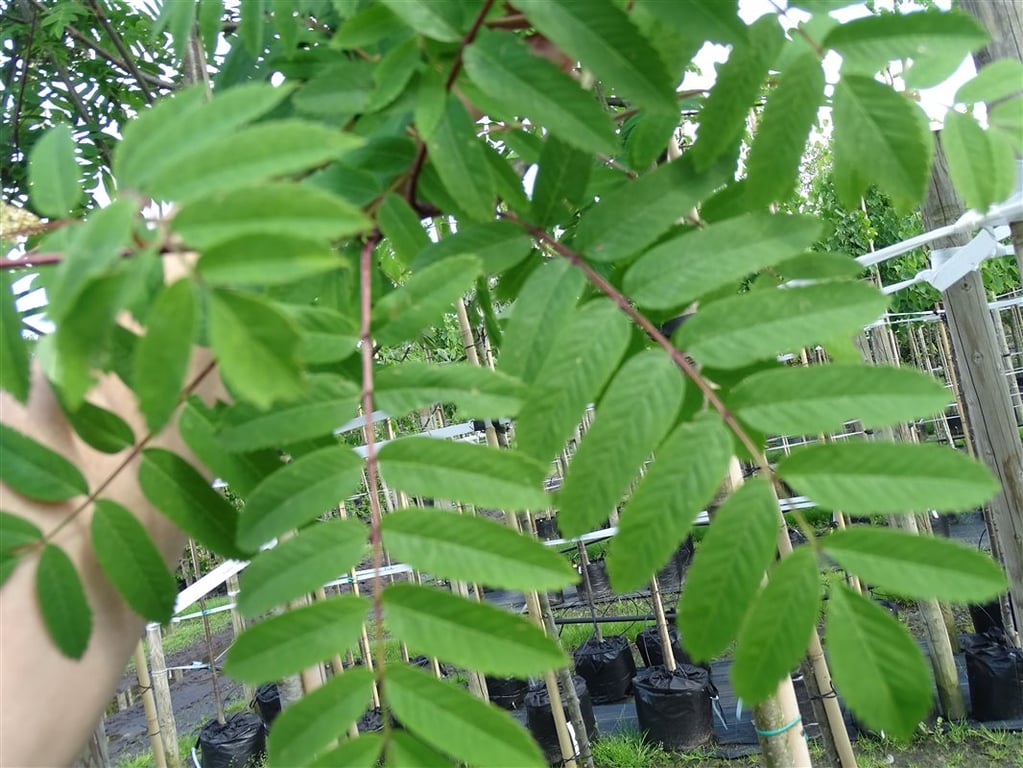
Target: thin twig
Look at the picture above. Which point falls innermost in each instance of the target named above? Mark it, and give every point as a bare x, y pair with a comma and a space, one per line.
83, 111
115, 38
24, 78
417, 164
375, 513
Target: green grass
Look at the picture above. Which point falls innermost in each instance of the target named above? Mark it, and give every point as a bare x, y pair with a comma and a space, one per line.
185, 634
628, 750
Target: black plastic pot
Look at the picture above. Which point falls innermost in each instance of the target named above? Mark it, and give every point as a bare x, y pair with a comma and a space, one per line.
652, 650
267, 702
547, 529
987, 617
599, 583
540, 718
607, 667
370, 722
239, 742
507, 692
556, 598
995, 673
674, 708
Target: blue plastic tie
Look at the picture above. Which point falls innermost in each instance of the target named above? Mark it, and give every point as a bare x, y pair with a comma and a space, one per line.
779, 731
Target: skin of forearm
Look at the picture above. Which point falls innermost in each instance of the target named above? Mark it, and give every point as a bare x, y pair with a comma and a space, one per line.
49, 704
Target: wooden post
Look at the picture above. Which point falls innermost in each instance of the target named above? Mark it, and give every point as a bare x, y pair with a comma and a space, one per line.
985, 390
149, 706
237, 624
1004, 23
162, 695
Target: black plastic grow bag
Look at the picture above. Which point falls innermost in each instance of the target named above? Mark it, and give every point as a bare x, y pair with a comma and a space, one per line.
652, 650
540, 718
987, 617
507, 692
995, 672
239, 742
268, 702
607, 667
670, 578
547, 529
674, 708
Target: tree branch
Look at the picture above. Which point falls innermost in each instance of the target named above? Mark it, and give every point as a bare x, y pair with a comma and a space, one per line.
82, 110
417, 164
115, 38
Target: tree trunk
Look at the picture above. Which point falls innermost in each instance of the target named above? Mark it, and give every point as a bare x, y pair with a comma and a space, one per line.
985, 391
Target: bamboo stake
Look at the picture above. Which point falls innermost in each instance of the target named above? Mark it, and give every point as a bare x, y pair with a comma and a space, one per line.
364, 645
930, 370
533, 599
584, 562
149, 706
217, 698
953, 379
162, 695
237, 624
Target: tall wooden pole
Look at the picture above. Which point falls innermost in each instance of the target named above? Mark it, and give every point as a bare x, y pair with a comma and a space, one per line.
1004, 22
984, 388
162, 695
149, 706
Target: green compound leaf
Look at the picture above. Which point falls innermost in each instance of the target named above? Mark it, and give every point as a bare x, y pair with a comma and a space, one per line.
981, 163
469, 634
687, 470
309, 725
175, 488
475, 549
326, 336
296, 210
266, 260
301, 564
873, 120
450, 719
286, 644
256, 347
439, 19
161, 356
363, 752
723, 118
936, 42
785, 318
598, 334
406, 749
561, 182
876, 664
813, 265
297, 493
998, 80
500, 245
159, 139
14, 358
917, 566
1007, 118
791, 112
328, 403
547, 301
473, 474
888, 478
620, 440
777, 627
246, 157
714, 20
684, 268
529, 85
402, 226
35, 471
822, 398
16, 532
131, 562
102, 429
461, 161
241, 471
406, 311
53, 173
727, 571
630, 218
62, 602
604, 39
476, 391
